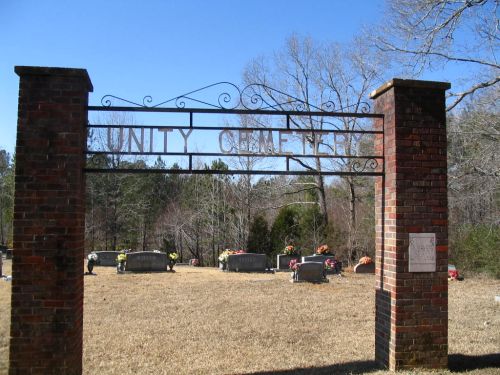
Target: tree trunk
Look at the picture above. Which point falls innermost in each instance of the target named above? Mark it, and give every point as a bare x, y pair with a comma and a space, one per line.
320, 183
352, 219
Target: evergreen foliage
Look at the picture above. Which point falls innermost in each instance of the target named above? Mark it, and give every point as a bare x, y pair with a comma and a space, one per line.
259, 237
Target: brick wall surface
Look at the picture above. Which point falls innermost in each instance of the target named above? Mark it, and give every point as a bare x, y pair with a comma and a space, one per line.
411, 308
49, 219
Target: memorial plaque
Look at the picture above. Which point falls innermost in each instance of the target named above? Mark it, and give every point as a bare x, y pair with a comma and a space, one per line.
247, 262
422, 252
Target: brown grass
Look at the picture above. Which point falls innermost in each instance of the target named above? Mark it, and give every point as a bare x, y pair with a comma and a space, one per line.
204, 321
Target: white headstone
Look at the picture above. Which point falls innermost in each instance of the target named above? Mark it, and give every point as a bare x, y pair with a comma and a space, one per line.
422, 252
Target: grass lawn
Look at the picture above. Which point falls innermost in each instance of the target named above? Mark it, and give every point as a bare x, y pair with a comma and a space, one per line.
204, 321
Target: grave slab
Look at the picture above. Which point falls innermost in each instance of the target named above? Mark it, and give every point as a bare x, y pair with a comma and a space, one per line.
247, 262
106, 258
364, 268
146, 261
311, 272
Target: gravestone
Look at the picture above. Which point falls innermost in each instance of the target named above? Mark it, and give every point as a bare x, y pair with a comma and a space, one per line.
247, 262
283, 261
310, 271
3, 249
106, 258
364, 268
146, 261
317, 258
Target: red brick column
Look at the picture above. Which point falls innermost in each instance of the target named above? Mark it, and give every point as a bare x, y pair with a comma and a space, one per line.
411, 327
49, 220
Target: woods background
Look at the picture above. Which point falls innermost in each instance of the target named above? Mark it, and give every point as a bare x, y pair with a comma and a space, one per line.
200, 216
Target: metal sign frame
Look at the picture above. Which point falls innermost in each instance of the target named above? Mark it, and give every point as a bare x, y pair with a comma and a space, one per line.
255, 99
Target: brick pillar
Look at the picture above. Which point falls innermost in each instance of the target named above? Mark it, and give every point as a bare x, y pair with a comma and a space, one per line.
49, 221
411, 322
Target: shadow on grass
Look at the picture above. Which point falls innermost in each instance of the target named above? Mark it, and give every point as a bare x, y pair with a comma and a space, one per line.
461, 362
358, 367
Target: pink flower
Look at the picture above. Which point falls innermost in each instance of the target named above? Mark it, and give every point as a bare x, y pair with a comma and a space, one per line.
330, 264
294, 265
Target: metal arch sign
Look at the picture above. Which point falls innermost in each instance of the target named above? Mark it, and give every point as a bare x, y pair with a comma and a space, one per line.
305, 135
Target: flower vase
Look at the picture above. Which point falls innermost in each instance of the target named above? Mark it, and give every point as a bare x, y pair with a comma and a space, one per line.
171, 266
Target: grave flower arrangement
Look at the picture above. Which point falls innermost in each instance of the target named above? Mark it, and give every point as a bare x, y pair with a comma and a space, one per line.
225, 254
172, 257
194, 262
323, 250
294, 265
121, 259
290, 250
365, 260
330, 264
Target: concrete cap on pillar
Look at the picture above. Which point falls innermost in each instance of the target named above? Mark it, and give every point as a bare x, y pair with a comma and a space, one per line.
52, 71
398, 82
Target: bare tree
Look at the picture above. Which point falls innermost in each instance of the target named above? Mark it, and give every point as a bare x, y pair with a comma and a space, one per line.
474, 162
429, 33
331, 76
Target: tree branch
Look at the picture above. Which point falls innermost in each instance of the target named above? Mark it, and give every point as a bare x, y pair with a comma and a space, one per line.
462, 95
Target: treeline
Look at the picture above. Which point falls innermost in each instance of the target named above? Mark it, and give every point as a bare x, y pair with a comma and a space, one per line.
6, 198
474, 185
199, 216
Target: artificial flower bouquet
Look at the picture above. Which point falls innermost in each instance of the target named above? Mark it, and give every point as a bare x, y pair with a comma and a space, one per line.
323, 250
365, 260
290, 250
294, 265
121, 258
330, 264
225, 254
172, 257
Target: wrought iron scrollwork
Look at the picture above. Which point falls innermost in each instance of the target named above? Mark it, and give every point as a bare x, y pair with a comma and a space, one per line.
359, 166
228, 96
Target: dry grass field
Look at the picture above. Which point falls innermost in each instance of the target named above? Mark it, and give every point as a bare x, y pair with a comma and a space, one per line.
204, 321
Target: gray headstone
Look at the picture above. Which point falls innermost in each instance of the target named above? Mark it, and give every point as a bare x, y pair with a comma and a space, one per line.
247, 262
364, 268
317, 258
283, 261
146, 261
106, 258
310, 271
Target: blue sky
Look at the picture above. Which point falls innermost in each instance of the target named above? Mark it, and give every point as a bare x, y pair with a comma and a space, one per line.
161, 48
